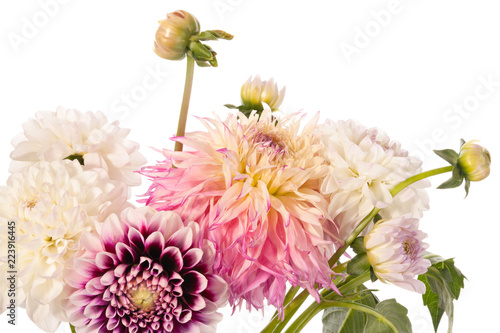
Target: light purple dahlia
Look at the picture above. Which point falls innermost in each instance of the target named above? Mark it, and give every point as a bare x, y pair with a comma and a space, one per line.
143, 272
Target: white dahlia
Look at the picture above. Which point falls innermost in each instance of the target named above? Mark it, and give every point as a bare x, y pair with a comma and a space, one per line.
87, 137
52, 204
365, 165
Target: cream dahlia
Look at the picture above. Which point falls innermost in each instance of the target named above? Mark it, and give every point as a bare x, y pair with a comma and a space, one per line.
87, 137
52, 204
364, 166
144, 272
395, 251
253, 186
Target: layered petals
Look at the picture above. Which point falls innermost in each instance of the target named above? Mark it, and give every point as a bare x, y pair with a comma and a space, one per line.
253, 186
152, 279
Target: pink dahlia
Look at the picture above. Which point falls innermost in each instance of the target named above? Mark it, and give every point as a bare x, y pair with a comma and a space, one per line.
395, 250
144, 272
253, 186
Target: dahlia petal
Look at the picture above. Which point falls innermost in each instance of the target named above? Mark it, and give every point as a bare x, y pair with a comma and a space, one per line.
216, 290
108, 278
112, 232
195, 302
44, 291
125, 253
192, 257
185, 316
171, 259
182, 239
136, 240
94, 309
194, 282
94, 286
154, 244
105, 260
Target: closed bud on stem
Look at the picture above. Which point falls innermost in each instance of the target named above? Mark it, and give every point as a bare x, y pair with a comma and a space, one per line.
173, 36
179, 35
474, 161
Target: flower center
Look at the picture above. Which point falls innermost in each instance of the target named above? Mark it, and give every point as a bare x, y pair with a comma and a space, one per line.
143, 298
31, 204
273, 142
409, 245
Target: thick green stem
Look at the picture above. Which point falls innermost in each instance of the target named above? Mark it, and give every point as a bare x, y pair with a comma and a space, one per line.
275, 325
315, 308
181, 127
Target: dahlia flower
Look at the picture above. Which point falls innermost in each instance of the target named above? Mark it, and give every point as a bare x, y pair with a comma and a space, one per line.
87, 137
395, 250
52, 203
144, 272
253, 186
364, 166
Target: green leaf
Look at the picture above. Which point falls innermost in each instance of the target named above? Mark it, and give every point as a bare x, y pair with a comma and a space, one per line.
450, 183
443, 282
394, 312
449, 155
72, 328
358, 265
467, 186
358, 246
344, 320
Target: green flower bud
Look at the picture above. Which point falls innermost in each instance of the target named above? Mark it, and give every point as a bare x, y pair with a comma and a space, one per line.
474, 161
255, 92
174, 33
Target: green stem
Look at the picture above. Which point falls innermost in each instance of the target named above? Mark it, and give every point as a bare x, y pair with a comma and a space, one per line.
275, 325
368, 218
398, 188
72, 328
181, 127
292, 307
350, 284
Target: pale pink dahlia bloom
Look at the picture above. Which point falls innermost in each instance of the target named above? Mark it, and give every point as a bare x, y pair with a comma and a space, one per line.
364, 166
88, 136
253, 185
143, 271
395, 250
52, 204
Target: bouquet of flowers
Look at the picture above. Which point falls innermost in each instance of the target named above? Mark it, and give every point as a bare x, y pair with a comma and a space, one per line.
259, 208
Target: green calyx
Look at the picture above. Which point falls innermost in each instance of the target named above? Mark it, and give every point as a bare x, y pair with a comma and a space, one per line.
203, 54
457, 176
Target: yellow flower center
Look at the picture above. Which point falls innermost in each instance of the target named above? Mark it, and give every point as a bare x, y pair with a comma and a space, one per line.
143, 298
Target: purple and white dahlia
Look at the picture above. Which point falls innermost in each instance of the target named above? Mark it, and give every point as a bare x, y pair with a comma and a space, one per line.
143, 272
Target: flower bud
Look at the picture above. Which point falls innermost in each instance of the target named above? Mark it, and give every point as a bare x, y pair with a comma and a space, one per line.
173, 36
255, 92
474, 161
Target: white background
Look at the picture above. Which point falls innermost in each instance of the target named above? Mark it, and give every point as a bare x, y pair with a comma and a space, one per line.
409, 73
